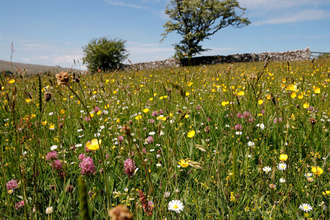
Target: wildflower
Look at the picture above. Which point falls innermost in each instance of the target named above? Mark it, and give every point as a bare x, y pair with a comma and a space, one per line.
49, 210
11, 81
57, 164
305, 207
267, 169
138, 117
291, 87
28, 100
260, 101
281, 166
279, 120
51, 126
120, 138
306, 105
87, 118
51, 155
238, 127
326, 193
167, 194
184, 163
54, 147
120, 212
272, 186
191, 134
148, 206
87, 166
129, 167
20, 204
62, 78
155, 113
146, 110
317, 170
81, 156
317, 90
150, 140
94, 144
250, 144
283, 157
175, 205
282, 180
12, 184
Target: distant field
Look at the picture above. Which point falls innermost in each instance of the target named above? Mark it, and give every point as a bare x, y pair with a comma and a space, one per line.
31, 68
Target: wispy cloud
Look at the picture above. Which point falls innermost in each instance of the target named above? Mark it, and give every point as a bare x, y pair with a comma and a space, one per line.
122, 3
296, 17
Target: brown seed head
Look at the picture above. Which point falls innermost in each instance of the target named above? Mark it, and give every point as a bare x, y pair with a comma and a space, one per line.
127, 130
69, 189
312, 121
47, 96
120, 212
62, 78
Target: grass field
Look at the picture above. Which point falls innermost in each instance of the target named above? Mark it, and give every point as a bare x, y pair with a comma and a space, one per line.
229, 141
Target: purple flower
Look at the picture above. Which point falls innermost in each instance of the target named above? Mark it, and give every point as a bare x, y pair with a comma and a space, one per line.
129, 167
87, 166
57, 165
151, 121
96, 109
155, 113
51, 155
238, 127
263, 112
120, 138
160, 112
87, 118
277, 120
144, 150
82, 156
107, 156
198, 108
246, 114
20, 204
12, 184
150, 140
239, 115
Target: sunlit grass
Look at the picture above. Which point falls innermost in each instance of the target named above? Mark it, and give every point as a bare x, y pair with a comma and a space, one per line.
230, 141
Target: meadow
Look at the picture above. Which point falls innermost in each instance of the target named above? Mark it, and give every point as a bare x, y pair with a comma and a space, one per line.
229, 141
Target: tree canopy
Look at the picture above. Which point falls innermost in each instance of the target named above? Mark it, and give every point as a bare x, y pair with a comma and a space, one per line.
196, 20
104, 53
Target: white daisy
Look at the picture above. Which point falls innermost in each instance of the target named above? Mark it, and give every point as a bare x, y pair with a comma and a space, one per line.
267, 169
152, 133
49, 210
308, 174
306, 207
281, 166
175, 205
262, 126
250, 143
282, 180
54, 147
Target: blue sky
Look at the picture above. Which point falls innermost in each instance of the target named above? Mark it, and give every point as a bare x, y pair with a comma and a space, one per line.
53, 32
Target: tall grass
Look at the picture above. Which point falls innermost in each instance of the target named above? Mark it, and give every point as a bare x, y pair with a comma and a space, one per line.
240, 141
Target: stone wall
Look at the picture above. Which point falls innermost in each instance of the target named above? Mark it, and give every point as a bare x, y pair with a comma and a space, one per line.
204, 60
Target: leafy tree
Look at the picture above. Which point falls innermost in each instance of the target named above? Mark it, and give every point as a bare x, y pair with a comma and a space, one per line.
196, 20
104, 53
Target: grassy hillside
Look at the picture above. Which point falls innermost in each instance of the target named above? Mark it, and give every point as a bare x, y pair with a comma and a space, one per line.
31, 68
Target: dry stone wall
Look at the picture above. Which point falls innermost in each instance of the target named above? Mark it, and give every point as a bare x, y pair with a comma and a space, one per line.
204, 60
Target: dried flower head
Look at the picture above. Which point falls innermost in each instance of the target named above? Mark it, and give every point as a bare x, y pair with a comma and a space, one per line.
69, 188
62, 78
120, 212
47, 96
127, 130
312, 121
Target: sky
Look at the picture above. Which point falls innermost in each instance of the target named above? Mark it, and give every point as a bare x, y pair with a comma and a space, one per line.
53, 32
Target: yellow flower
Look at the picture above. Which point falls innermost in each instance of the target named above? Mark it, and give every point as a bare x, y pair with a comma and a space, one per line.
326, 193
184, 163
99, 112
94, 144
51, 126
240, 93
317, 170
115, 92
268, 96
191, 134
28, 100
316, 89
300, 96
62, 111
11, 81
106, 106
187, 93
190, 83
138, 117
291, 87
283, 157
260, 101
118, 120
44, 122
293, 95
224, 103
306, 105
